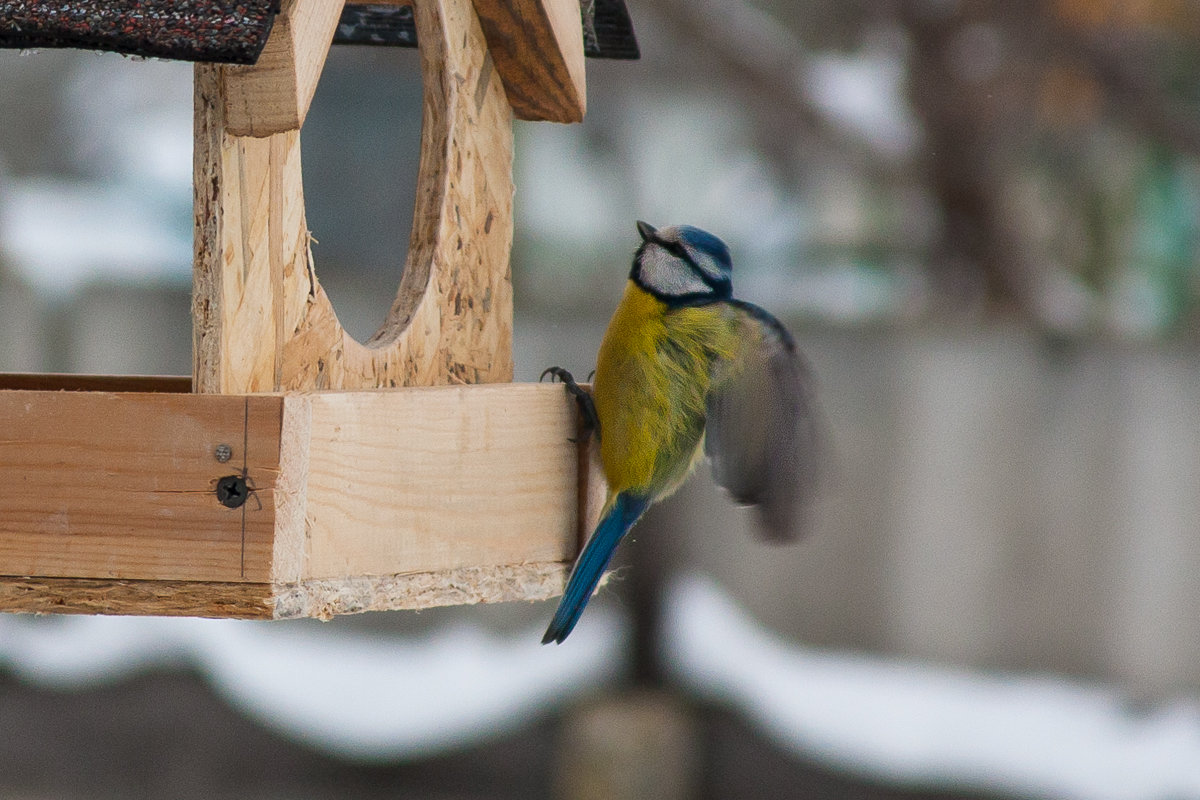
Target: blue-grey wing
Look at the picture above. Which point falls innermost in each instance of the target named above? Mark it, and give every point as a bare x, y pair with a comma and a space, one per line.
762, 430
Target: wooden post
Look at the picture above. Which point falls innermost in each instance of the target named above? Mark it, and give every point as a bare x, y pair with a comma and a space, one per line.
262, 321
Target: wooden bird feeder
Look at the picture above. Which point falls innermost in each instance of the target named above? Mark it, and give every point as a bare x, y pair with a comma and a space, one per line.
299, 472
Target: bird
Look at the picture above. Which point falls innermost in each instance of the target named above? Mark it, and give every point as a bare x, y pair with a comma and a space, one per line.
686, 370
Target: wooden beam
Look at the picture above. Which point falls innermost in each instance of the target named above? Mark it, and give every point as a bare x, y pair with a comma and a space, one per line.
263, 323
360, 500
273, 94
538, 49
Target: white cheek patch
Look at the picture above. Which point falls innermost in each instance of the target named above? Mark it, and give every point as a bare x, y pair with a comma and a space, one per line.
668, 275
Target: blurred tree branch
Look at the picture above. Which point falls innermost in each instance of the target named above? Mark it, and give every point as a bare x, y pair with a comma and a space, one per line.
1006, 92
771, 66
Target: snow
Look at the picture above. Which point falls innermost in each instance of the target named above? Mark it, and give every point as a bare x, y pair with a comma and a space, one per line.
352, 695
1025, 735
369, 698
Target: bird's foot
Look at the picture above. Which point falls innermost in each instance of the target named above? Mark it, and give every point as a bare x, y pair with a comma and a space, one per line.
589, 422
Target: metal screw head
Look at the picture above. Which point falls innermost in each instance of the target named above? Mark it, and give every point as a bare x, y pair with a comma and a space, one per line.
223, 452
232, 491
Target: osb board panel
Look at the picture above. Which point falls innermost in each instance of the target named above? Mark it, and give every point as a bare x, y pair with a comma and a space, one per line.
318, 598
262, 321
324, 599
139, 598
122, 485
433, 479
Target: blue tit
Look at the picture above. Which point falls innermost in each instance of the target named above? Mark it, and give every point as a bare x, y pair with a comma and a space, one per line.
686, 369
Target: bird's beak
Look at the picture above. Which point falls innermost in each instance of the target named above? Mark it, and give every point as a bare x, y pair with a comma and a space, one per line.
646, 230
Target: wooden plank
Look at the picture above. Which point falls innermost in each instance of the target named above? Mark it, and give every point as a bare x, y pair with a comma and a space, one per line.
122, 485
263, 323
424, 480
403, 498
273, 94
322, 599
538, 49
67, 382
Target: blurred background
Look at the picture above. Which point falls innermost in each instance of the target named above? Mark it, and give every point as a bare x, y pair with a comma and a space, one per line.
980, 217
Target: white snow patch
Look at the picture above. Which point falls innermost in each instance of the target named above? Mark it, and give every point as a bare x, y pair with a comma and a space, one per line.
353, 695
1029, 736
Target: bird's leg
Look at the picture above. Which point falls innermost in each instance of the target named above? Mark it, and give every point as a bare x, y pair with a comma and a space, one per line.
589, 422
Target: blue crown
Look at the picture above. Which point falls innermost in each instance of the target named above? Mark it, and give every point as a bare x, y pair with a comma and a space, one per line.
708, 244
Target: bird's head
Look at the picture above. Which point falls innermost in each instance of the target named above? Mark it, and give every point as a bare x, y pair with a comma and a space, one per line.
682, 264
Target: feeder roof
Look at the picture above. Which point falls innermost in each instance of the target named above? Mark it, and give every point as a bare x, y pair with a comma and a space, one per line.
234, 31
229, 31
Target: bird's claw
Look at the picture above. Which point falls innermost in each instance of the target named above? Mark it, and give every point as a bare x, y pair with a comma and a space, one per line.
589, 422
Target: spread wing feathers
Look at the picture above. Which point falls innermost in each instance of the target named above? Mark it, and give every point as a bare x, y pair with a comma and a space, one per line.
762, 435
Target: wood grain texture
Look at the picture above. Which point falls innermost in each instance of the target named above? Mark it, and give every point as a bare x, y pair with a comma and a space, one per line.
122, 485
538, 49
423, 480
263, 323
365, 500
273, 94
322, 599
592, 491
138, 598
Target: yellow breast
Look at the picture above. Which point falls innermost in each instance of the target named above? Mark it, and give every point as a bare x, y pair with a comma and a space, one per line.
652, 378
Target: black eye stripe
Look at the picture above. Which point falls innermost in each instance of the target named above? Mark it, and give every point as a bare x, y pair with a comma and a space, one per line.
676, 249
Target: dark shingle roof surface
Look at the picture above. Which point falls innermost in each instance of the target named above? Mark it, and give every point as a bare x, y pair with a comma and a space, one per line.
231, 31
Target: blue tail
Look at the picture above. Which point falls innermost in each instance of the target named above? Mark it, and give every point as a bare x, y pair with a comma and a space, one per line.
591, 564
